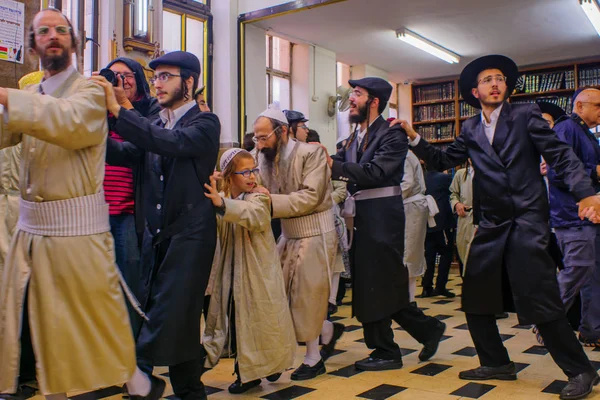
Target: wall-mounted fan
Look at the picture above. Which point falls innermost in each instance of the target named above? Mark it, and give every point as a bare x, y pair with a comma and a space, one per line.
341, 99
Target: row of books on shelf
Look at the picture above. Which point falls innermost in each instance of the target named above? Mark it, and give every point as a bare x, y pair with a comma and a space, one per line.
436, 132
443, 91
467, 110
434, 112
589, 77
564, 102
542, 82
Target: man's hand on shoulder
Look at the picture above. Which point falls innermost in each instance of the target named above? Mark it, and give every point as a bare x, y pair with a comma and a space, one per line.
329, 159
412, 134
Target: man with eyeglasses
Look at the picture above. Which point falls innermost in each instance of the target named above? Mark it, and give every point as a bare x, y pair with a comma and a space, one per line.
60, 277
508, 267
176, 155
579, 240
298, 178
200, 100
297, 122
132, 92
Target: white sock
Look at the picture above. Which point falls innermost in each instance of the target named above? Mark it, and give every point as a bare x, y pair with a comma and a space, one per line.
139, 384
412, 288
313, 356
326, 332
58, 396
335, 283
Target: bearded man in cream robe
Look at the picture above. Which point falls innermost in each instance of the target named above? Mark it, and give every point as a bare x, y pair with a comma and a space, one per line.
299, 180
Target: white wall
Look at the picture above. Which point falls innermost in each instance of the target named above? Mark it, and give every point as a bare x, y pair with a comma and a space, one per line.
322, 85
256, 88
301, 92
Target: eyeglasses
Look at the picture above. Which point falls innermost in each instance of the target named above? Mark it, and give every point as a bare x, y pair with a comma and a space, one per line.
488, 79
263, 139
126, 75
59, 29
162, 77
306, 128
356, 93
247, 172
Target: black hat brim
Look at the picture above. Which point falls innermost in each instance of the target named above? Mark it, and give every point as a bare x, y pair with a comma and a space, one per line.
549, 108
468, 76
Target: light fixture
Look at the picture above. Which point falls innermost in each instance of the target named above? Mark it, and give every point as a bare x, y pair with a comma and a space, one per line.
421, 43
591, 9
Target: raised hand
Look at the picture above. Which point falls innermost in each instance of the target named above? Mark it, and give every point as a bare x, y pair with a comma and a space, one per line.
213, 193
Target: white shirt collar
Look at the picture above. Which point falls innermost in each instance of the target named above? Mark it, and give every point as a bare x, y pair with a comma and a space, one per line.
171, 117
493, 116
50, 85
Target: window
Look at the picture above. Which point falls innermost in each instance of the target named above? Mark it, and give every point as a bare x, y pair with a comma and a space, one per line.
393, 103
279, 72
82, 16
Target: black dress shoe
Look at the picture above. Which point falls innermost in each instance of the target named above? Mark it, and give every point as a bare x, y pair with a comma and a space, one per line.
23, 393
157, 389
332, 309
304, 372
444, 292
238, 387
377, 364
328, 349
430, 347
274, 377
426, 293
506, 372
580, 386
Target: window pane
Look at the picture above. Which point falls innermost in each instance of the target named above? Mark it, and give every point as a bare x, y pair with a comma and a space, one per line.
172, 36
281, 92
89, 46
281, 54
268, 91
393, 113
268, 51
394, 95
194, 42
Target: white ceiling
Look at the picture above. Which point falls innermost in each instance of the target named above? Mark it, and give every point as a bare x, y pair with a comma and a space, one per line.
363, 32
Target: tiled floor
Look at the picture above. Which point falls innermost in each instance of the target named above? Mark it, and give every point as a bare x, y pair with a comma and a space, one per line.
539, 377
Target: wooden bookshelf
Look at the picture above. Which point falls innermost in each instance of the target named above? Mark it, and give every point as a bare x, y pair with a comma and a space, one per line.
437, 109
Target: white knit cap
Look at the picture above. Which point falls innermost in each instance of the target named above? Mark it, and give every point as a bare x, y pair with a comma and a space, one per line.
228, 156
275, 113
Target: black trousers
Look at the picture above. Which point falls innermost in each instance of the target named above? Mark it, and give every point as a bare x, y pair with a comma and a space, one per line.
185, 378
442, 243
379, 335
558, 337
27, 362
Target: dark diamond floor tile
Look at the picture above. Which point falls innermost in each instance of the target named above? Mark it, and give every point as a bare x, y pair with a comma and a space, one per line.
165, 374
473, 390
555, 387
348, 303
463, 327
458, 284
399, 328
521, 366
445, 337
423, 308
352, 328
346, 372
209, 391
505, 337
442, 302
288, 393
442, 317
382, 392
526, 327
337, 352
537, 350
431, 369
459, 309
334, 319
99, 394
360, 340
466, 352
406, 352
596, 349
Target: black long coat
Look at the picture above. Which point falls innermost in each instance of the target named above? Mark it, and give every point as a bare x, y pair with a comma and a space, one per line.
180, 236
508, 267
379, 276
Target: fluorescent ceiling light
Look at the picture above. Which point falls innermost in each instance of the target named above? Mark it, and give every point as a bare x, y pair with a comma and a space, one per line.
592, 11
420, 42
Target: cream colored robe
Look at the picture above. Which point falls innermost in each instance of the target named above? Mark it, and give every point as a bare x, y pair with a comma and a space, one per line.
416, 214
339, 194
248, 266
79, 324
9, 198
305, 188
461, 191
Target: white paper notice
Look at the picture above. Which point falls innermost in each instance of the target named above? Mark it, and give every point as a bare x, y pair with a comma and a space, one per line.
12, 31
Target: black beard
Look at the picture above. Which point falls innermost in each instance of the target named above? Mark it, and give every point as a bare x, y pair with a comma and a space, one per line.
360, 117
269, 153
177, 95
56, 62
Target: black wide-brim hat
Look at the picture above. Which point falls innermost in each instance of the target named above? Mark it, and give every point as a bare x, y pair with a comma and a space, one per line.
549, 108
468, 76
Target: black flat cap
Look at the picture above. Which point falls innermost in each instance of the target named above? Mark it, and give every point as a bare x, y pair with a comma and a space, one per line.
550, 108
468, 76
294, 116
376, 87
181, 59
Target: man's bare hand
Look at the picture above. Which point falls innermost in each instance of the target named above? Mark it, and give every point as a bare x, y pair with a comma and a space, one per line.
412, 134
112, 105
329, 159
590, 208
262, 190
460, 210
543, 168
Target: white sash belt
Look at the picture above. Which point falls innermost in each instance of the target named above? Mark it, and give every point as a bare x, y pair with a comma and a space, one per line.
79, 216
431, 205
308, 225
